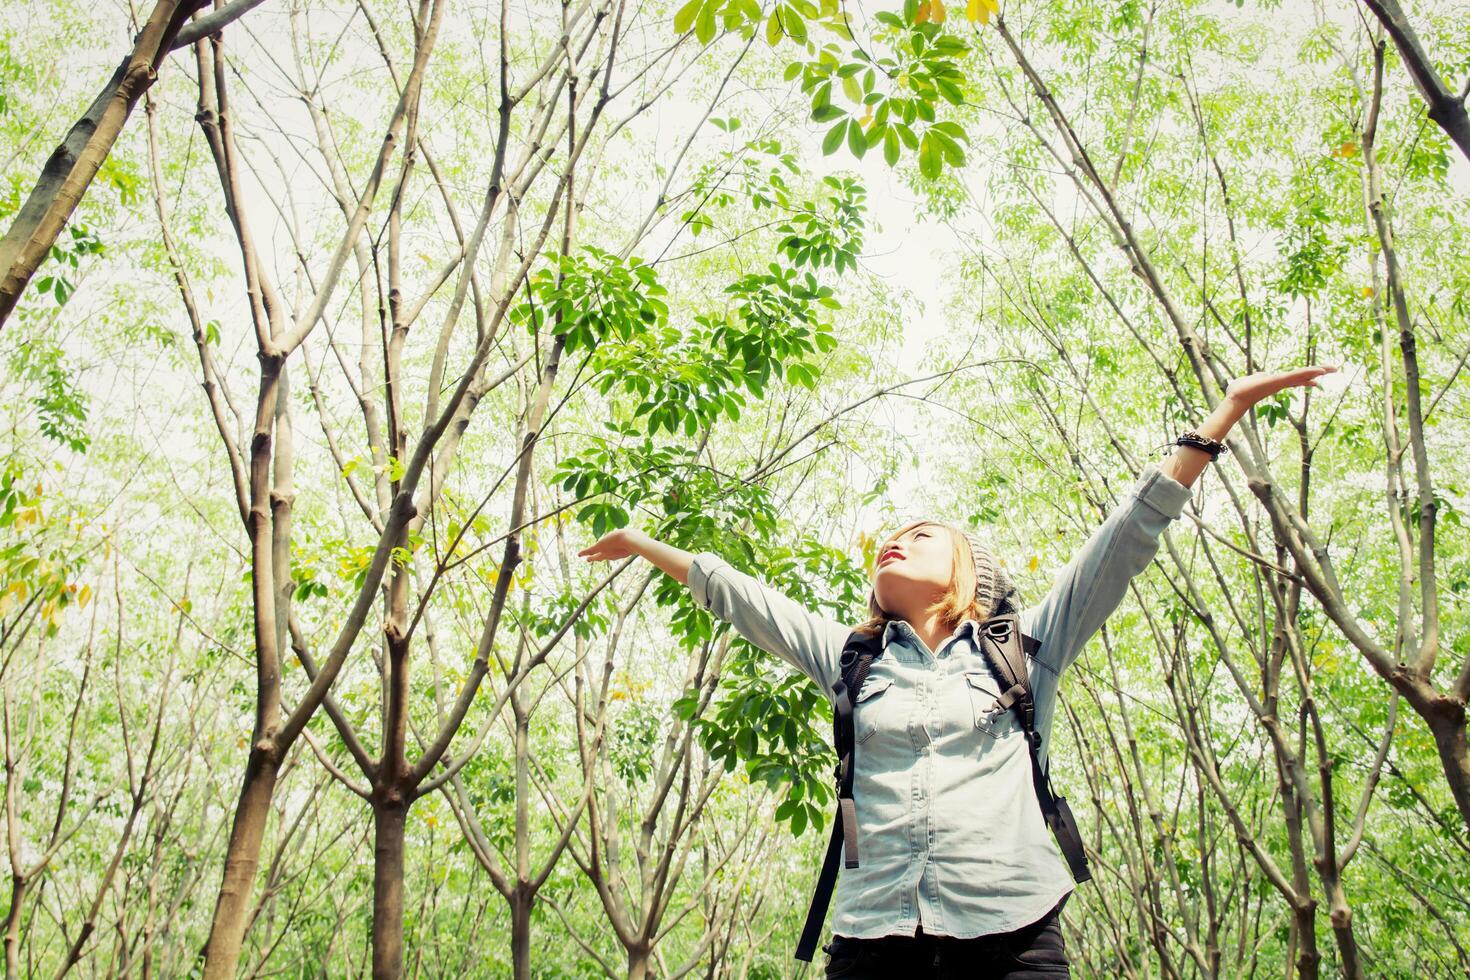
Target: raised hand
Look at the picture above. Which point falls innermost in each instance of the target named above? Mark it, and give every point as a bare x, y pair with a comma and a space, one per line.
622, 543
1251, 388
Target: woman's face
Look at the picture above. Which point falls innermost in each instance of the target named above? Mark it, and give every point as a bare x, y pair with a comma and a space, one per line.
914, 570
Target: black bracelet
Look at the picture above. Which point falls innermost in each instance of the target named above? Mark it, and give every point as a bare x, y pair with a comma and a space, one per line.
1192, 438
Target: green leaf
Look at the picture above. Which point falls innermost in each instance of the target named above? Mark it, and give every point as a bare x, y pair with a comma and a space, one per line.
704, 24
684, 18
890, 146
949, 90
953, 155
855, 140
929, 157
952, 129
795, 26
834, 137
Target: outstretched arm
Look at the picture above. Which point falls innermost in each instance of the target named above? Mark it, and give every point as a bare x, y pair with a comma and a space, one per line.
770, 620
1187, 463
1092, 584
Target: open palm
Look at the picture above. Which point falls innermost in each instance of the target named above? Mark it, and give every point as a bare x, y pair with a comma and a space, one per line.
1248, 390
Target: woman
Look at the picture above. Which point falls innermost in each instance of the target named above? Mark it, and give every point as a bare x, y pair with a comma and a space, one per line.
959, 874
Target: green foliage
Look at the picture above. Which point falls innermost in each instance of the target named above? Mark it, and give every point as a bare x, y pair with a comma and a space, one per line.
40, 555
591, 297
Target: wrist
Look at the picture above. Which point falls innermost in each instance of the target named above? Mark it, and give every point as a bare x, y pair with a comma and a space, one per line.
1219, 422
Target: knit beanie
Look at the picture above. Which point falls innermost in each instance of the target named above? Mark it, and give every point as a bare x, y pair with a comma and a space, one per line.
994, 589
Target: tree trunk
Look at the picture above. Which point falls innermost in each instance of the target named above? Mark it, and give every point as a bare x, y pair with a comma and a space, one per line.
388, 821
74, 162
520, 931
1446, 107
638, 963
1341, 915
1447, 724
12, 927
1309, 959
242, 859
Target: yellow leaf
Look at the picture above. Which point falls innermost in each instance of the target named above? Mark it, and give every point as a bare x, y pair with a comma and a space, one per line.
1367, 292
1350, 148
980, 10
936, 11
922, 16
1031, 565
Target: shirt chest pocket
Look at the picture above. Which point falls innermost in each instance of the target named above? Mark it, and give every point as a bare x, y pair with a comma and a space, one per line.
869, 706
990, 718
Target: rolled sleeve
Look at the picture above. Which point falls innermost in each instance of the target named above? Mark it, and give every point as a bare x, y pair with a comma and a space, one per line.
770, 620
1162, 492
1094, 582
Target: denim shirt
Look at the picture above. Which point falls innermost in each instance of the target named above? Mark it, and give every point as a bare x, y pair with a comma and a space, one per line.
950, 832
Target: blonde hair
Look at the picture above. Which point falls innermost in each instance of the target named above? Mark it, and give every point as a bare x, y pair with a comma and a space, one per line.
959, 602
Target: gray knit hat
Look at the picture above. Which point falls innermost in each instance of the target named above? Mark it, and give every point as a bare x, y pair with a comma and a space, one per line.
994, 590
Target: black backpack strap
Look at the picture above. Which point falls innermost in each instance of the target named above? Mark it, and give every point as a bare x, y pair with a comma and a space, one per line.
1005, 648
857, 656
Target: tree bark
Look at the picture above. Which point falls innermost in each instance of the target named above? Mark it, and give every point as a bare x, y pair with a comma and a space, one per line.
638, 963
389, 815
1445, 107
242, 860
18, 885
74, 163
521, 901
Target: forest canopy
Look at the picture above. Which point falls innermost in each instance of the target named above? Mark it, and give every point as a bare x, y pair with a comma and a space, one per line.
331, 330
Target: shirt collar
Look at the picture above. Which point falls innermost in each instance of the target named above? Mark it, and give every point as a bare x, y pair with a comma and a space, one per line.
901, 627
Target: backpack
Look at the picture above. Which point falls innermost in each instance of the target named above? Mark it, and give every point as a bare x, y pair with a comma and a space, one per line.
1004, 647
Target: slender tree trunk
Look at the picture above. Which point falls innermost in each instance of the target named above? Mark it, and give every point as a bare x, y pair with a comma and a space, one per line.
1341, 916
638, 963
1446, 107
18, 885
1447, 724
242, 860
74, 162
520, 931
388, 821
1309, 959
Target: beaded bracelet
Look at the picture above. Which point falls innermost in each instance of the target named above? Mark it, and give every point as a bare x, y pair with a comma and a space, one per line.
1192, 438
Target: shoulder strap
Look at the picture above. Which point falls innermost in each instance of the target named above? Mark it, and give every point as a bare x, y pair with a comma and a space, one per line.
1006, 655
857, 656
1005, 648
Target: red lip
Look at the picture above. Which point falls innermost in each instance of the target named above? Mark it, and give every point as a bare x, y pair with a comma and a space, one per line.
890, 554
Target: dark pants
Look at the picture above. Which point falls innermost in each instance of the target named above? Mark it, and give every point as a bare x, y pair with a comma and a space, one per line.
1029, 953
